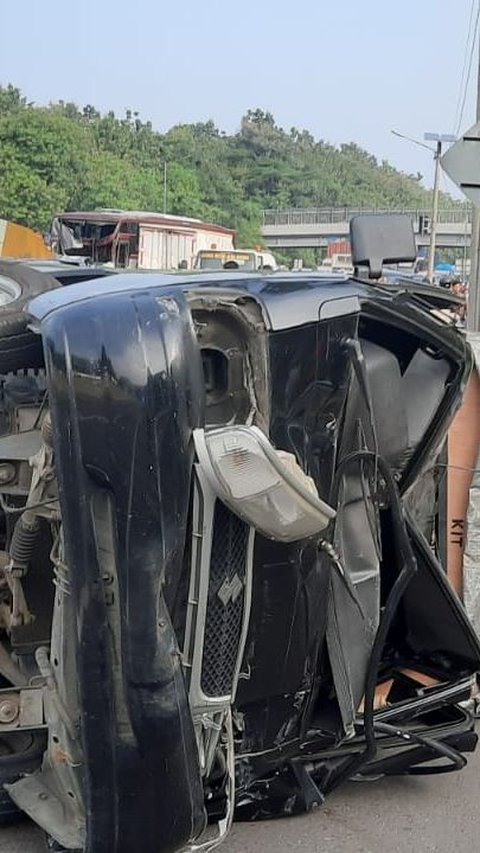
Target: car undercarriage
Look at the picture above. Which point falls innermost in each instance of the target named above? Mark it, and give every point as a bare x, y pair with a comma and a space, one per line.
220, 586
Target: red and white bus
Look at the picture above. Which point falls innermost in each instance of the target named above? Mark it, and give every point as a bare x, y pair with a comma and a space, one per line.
137, 239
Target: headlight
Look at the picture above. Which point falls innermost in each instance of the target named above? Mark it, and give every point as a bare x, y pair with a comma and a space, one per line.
264, 486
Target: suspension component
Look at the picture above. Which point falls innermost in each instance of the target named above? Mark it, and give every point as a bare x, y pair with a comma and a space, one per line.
23, 543
41, 506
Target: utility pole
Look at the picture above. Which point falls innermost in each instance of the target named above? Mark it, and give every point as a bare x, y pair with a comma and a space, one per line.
165, 186
433, 229
473, 307
439, 139
465, 244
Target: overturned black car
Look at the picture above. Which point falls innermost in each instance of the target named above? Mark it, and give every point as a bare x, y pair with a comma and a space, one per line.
220, 593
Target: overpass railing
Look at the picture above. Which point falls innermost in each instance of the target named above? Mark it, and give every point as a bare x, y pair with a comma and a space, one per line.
334, 215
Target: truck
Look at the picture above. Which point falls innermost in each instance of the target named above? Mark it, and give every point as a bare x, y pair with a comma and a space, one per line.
247, 260
338, 263
137, 239
339, 257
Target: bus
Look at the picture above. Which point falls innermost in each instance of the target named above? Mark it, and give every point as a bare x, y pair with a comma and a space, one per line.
136, 239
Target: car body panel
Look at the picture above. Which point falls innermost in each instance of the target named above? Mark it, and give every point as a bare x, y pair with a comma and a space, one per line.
125, 399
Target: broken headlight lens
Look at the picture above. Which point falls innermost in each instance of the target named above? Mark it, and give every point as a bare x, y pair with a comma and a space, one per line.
263, 486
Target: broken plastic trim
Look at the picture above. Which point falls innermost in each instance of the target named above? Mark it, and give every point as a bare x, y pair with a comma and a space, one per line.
409, 567
249, 475
442, 750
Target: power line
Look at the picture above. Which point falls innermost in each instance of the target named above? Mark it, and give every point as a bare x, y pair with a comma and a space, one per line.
466, 77
469, 73
464, 68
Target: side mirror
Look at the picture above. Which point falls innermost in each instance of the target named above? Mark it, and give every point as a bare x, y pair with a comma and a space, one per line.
381, 238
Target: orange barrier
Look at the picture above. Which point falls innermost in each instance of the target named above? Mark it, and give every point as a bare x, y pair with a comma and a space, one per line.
17, 241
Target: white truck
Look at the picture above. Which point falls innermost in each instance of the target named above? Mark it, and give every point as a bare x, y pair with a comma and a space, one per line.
247, 260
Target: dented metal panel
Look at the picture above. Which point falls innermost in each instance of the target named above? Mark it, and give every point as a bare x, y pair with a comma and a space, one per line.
127, 380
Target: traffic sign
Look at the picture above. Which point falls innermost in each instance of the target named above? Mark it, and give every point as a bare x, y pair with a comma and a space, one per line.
462, 164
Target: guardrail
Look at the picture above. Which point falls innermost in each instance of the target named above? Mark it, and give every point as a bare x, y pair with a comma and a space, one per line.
334, 215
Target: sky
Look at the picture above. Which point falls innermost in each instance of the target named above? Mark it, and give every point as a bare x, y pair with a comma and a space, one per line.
346, 71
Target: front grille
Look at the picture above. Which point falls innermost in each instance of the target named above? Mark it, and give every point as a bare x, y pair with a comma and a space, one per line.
226, 598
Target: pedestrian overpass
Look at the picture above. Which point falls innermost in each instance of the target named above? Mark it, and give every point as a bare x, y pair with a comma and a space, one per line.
317, 227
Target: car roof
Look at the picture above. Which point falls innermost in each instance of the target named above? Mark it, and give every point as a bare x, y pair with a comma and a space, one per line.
286, 299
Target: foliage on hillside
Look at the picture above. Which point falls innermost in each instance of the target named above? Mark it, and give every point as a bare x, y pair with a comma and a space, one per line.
61, 157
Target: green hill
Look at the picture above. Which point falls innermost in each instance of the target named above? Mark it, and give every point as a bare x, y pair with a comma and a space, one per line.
62, 157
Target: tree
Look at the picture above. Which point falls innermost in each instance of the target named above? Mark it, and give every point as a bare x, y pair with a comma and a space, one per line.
11, 99
65, 157
25, 197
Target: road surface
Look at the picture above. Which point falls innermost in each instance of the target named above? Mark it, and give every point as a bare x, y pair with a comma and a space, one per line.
405, 815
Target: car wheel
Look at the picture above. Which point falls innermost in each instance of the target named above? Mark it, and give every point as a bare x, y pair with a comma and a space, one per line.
19, 347
20, 753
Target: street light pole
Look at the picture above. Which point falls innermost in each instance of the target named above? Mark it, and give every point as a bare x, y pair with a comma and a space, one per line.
439, 139
433, 229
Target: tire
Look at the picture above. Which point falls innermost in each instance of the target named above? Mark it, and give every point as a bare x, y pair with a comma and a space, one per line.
22, 754
20, 347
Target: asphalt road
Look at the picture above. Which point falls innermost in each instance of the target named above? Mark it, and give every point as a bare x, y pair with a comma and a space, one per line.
398, 815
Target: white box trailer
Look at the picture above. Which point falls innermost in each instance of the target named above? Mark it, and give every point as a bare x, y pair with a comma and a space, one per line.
172, 249
163, 249
137, 239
